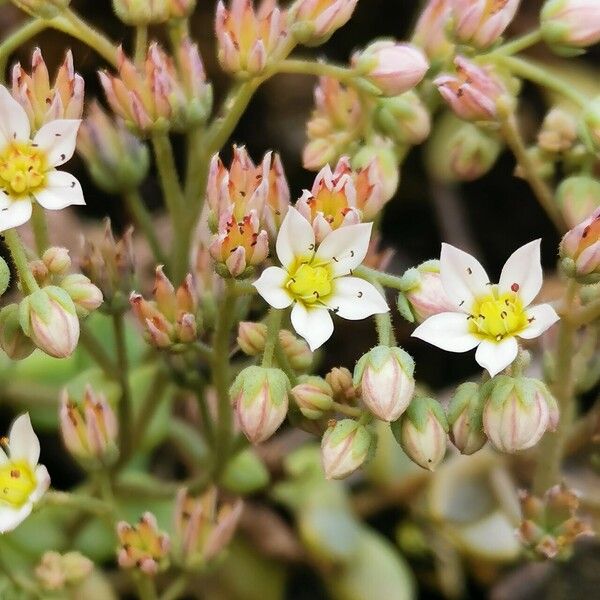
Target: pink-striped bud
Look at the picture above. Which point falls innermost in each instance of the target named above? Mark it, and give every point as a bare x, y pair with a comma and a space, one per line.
344, 448
85, 295
516, 413
431, 30
465, 419
143, 546
568, 26
394, 68
472, 92
203, 527
580, 250
44, 102
480, 23
386, 379
250, 39
260, 399
313, 396
13, 340
315, 21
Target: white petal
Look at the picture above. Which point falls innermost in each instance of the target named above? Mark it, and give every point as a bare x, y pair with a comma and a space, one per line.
463, 277
313, 324
14, 123
345, 248
42, 478
10, 518
494, 356
356, 299
18, 212
523, 272
295, 240
22, 441
3, 457
62, 190
271, 286
544, 316
448, 331
58, 139
4, 200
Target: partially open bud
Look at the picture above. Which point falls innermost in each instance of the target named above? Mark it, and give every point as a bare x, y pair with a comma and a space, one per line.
143, 546
203, 528
116, 159
480, 23
89, 429
516, 412
394, 68
85, 295
422, 432
334, 125
578, 196
550, 525
164, 95
380, 152
558, 132
344, 448
141, 12
313, 22
12, 339
170, 320
372, 186
386, 379
580, 250
472, 92
250, 39
260, 399
465, 418
49, 318
313, 396
431, 31
424, 293
404, 118
56, 571
44, 102
342, 385
568, 26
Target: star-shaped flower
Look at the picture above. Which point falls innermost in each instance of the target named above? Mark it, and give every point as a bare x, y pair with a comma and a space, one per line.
317, 280
489, 317
28, 166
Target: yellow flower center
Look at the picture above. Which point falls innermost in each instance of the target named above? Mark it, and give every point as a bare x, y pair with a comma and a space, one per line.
17, 482
496, 317
22, 169
333, 205
310, 283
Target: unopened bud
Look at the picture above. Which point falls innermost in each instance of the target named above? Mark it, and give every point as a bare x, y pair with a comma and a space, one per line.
404, 118
57, 571
569, 26
296, 350
388, 171
57, 260
580, 250
12, 339
386, 379
49, 318
4, 276
422, 432
313, 22
260, 399
143, 546
342, 385
431, 30
85, 295
558, 132
141, 12
344, 448
313, 396
252, 337
465, 418
590, 125
578, 196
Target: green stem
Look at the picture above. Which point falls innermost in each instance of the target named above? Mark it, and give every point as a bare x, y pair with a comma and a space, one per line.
273, 328
552, 447
18, 38
40, 229
519, 44
529, 70
178, 30
141, 44
349, 411
143, 220
588, 314
15, 247
78, 502
542, 191
176, 589
146, 587
71, 23
125, 408
95, 349
154, 396
284, 364
385, 279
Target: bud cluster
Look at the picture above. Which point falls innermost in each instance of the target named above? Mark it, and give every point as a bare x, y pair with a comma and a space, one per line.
143, 546
59, 571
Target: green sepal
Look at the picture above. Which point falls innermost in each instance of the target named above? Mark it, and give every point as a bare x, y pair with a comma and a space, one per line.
251, 379
378, 356
418, 411
467, 396
4, 276
404, 308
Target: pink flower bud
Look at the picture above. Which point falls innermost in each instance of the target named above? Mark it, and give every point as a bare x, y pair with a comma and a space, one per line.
378, 152
516, 413
431, 29
371, 185
465, 419
313, 396
385, 376
480, 23
57, 260
260, 399
344, 448
422, 432
143, 546
580, 250
49, 318
85, 295
404, 118
472, 92
315, 21
570, 25
394, 68
12, 339
558, 132
251, 337
342, 385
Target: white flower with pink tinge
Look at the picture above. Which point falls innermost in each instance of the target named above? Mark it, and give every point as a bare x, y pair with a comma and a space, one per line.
28, 166
317, 279
489, 317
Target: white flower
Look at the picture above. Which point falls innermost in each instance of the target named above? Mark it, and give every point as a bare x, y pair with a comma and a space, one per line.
316, 279
27, 166
489, 316
22, 481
